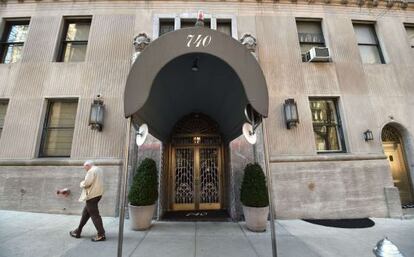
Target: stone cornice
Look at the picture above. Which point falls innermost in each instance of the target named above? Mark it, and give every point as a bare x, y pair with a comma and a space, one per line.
389, 4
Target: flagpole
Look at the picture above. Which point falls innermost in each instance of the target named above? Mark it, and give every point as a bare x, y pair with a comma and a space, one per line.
124, 181
269, 188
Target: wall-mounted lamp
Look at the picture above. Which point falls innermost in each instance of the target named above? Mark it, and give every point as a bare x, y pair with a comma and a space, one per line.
96, 116
290, 110
368, 135
195, 65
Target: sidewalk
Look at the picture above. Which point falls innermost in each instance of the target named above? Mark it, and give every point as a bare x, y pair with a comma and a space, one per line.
24, 234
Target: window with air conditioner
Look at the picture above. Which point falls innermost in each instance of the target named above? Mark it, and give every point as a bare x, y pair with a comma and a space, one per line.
311, 41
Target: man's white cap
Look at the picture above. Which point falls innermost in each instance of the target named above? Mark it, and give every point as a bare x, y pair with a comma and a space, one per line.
89, 163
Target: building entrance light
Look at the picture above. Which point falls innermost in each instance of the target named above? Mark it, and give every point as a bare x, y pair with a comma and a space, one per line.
195, 65
290, 110
96, 116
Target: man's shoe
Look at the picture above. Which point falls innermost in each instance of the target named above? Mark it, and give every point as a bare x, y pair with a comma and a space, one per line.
74, 234
98, 238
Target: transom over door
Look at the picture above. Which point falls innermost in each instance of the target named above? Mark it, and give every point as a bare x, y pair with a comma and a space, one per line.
196, 178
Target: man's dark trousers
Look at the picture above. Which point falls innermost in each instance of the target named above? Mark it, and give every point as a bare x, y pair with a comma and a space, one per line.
91, 210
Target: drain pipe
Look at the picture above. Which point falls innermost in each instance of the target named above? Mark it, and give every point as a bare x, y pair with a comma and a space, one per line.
269, 188
124, 180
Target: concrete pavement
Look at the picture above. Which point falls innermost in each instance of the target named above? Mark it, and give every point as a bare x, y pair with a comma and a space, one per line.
24, 234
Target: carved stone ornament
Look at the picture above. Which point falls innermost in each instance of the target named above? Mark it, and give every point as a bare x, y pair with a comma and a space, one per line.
372, 3
390, 3
141, 41
249, 42
404, 4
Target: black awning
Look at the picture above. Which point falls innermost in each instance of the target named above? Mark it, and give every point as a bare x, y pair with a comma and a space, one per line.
162, 86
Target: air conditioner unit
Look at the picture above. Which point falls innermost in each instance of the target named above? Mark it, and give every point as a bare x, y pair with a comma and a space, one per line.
318, 54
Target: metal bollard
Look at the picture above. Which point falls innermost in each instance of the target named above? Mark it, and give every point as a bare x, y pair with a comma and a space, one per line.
385, 248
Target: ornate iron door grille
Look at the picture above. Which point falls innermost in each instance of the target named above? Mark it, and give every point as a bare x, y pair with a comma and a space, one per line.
196, 164
196, 176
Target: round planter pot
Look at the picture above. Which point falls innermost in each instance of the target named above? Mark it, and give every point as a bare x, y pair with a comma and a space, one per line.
256, 218
141, 216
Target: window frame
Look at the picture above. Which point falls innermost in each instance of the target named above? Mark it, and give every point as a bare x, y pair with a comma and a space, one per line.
377, 42
63, 42
177, 17
225, 21
45, 127
411, 26
4, 45
161, 20
309, 20
6, 102
339, 126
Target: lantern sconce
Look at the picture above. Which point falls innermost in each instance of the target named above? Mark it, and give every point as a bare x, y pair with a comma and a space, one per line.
368, 136
96, 116
290, 110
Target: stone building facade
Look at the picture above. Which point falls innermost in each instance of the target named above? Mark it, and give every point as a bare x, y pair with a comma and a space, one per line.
321, 168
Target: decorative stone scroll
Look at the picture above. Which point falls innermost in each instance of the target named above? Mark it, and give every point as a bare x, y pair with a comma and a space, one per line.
372, 3
140, 42
360, 2
390, 3
249, 42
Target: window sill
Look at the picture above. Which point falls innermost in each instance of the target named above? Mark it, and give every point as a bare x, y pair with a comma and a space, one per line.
58, 161
333, 156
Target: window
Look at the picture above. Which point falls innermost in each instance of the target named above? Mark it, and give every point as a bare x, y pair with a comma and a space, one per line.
327, 127
166, 25
186, 23
12, 41
410, 33
58, 128
310, 35
224, 26
3, 109
75, 40
368, 43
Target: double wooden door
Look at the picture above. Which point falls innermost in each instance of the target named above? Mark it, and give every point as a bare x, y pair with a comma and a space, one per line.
196, 178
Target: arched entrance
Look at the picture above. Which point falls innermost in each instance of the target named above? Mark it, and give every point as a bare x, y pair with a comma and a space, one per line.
394, 150
196, 168
174, 77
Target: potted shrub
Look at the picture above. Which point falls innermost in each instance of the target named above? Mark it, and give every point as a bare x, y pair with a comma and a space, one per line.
143, 195
254, 197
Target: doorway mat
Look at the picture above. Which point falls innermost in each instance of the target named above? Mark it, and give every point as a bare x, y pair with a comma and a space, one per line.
343, 223
199, 215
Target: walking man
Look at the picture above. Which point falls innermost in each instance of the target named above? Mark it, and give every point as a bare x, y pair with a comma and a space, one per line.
92, 190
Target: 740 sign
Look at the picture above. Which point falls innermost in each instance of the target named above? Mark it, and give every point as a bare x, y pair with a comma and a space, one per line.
198, 40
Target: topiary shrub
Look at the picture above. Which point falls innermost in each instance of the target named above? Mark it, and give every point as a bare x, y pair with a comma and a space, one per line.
253, 191
144, 188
